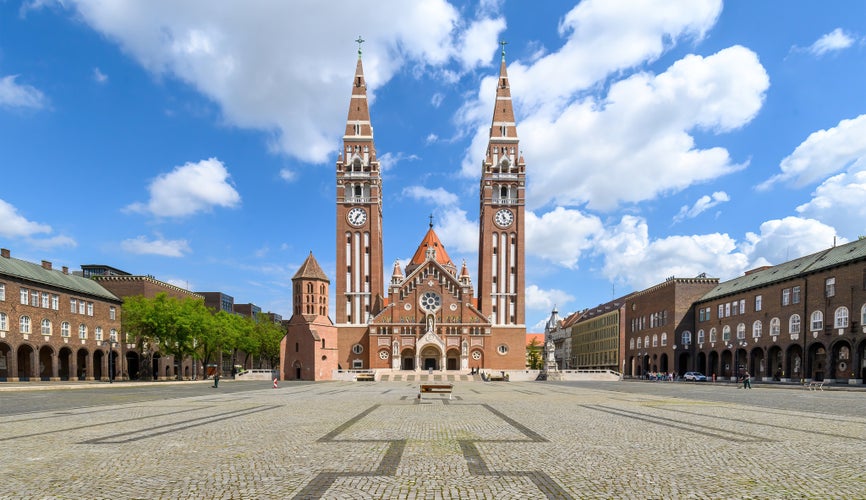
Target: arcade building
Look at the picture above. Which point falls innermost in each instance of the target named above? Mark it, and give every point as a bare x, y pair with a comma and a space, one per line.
429, 316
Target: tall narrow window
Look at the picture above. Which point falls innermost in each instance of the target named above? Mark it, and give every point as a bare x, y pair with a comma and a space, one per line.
817, 321
841, 317
830, 287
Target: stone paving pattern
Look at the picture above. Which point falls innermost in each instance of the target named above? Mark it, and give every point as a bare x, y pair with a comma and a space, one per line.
345, 440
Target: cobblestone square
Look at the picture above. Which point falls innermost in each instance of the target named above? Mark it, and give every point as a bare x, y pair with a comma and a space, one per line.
492, 440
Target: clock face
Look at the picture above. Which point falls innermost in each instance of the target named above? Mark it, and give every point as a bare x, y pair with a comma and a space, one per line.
357, 216
504, 218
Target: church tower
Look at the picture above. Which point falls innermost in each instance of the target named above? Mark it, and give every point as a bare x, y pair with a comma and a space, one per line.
360, 276
501, 280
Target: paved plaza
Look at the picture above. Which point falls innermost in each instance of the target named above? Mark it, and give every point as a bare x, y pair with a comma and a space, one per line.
378, 440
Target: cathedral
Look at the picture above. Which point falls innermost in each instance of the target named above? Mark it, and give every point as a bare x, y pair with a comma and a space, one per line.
426, 317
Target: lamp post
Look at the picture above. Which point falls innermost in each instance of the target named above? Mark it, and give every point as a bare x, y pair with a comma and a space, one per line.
110, 345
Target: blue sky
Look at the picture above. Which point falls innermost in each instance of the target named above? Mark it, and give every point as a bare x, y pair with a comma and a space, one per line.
195, 141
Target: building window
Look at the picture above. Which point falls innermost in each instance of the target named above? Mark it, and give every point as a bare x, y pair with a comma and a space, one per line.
735, 308
46, 327
713, 336
24, 324
794, 324
728, 310
775, 327
786, 296
113, 336
757, 329
24, 294
2, 291
4, 326
701, 336
55, 302
502, 349
664, 339
112, 313
82, 331
81, 306
687, 338
73, 306
721, 310
639, 343
863, 315
64, 329
655, 340
817, 321
726, 333
631, 344
830, 287
357, 348
795, 295
758, 302
34, 299
45, 300
741, 331
97, 333
841, 316
357, 364
90, 308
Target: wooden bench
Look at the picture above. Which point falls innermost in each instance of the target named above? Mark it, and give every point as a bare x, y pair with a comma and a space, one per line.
365, 377
814, 386
436, 389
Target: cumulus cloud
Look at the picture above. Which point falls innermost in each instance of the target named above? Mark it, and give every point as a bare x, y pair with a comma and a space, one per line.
538, 299
389, 161
824, 153
16, 95
838, 201
245, 59
833, 41
562, 235
141, 245
15, 225
287, 175
703, 204
189, 189
439, 196
781, 240
457, 232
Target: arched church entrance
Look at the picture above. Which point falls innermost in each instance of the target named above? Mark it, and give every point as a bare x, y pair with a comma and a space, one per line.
430, 358
407, 359
452, 361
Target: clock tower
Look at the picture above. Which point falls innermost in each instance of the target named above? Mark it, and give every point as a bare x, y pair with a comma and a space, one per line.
359, 279
501, 247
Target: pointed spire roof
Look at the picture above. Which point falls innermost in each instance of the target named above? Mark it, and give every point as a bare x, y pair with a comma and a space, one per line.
503, 111
397, 270
358, 121
310, 269
430, 242
464, 273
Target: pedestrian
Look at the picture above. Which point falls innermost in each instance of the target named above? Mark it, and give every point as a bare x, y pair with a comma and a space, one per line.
747, 382
216, 380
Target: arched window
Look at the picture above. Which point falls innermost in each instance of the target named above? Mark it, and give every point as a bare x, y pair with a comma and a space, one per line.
726, 333
24, 324
97, 333
4, 326
775, 327
82, 331
687, 338
841, 316
646, 341
655, 340
713, 336
757, 329
794, 324
741, 331
64, 329
664, 339
631, 344
46, 327
701, 336
817, 321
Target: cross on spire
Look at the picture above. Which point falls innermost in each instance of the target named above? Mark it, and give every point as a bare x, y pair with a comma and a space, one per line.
503, 43
431, 221
359, 41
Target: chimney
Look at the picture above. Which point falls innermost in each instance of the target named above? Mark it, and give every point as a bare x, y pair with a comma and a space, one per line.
65, 270
46, 265
4, 252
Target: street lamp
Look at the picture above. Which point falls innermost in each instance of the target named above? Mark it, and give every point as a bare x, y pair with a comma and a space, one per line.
110, 345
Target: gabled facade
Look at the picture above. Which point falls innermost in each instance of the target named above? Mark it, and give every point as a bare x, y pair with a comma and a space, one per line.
429, 318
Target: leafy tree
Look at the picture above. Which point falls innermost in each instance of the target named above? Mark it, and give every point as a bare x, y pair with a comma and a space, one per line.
269, 335
533, 354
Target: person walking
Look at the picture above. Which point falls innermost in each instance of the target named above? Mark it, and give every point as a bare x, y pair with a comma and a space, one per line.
216, 380
747, 381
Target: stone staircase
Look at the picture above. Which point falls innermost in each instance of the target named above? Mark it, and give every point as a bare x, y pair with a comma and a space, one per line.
426, 377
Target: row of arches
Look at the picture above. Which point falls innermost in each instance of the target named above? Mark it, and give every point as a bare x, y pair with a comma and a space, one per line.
839, 361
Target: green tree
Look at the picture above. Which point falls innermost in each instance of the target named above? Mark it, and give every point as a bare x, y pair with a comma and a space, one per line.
269, 335
533, 354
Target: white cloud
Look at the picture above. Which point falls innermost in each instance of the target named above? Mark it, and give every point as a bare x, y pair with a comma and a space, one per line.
823, 153
835, 40
288, 175
15, 95
703, 204
245, 59
478, 42
538, 299
99, 76
141, 245
439, 196
838, 201
53, 242
562, 235
457, 232
15, 225
389, 161
188, 189
781, 240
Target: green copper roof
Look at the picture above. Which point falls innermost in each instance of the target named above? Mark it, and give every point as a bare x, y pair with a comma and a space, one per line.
813, 263
38, 275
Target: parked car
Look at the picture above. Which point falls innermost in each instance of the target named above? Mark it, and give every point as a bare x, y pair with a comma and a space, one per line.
695, 377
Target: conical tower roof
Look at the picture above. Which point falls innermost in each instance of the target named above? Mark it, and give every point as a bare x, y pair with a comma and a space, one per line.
310, 269
432, 243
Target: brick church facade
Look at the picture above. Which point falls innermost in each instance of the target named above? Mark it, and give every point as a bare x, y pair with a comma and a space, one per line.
430, 317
